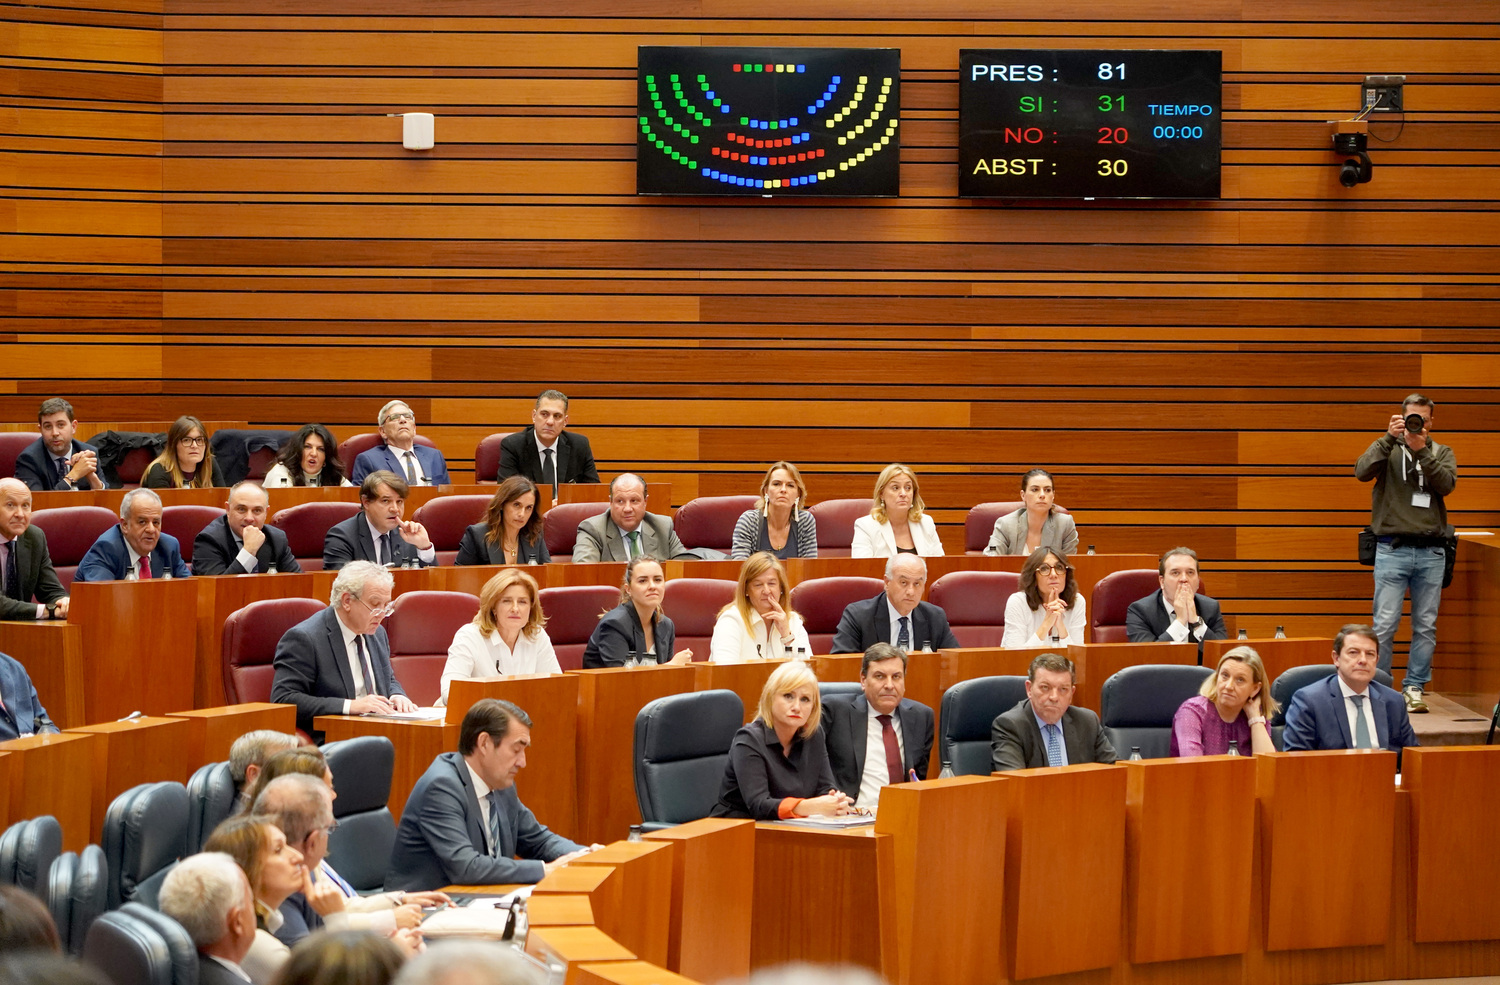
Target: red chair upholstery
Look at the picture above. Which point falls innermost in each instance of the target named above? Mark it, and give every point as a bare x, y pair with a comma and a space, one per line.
560, 526
71, 531
306, 527
420, 630
708, 521
821, 602
248, 645
260, 462
694, 604
446, 518
980, 523
975, 603
572, 612
133, 466
487, 459
12, 443
186, 523
836, 524
1112, 596
356, 445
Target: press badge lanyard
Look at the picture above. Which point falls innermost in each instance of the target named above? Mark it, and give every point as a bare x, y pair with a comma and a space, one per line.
1421, 497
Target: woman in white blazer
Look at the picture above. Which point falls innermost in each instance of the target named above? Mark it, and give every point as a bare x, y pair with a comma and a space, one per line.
758, 624
896, 524
1049, 604
506, 636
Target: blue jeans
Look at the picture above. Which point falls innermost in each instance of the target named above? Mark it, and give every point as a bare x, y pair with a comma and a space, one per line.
1396, 570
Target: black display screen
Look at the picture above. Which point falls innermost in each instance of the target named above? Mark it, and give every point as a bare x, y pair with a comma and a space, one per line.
768, 121
1072, 123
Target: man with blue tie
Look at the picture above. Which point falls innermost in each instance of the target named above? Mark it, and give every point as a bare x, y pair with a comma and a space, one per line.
1349, 709
21, 711
1045, 729
338, 662
464, 824
399, 451
377, 533
897, 616
135, 549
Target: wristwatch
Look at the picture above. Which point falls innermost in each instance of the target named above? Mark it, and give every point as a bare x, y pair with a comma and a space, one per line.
52, 610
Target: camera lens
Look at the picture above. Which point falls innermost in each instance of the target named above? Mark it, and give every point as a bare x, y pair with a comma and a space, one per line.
1415, 423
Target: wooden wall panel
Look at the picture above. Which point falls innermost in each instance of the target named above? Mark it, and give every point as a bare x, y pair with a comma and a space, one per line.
205, 208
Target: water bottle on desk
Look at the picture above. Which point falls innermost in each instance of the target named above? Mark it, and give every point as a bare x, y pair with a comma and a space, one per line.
635, 833
1281, 632
1244, 635
1234, 747
1135, 753
946, 771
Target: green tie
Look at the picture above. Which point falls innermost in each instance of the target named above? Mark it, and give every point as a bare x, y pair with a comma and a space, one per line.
635, 543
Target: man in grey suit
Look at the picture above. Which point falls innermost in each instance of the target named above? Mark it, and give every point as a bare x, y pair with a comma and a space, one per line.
627, 530
338, 662
26, 571
863, 728
1044, 729
464, 823
210, 896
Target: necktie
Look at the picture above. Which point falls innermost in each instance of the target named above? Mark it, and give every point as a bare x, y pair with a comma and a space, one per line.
892, 751
372, 683
1361, 727
495, 823
340, 882
385, 548
145, 567
549, 474
635, 543
12, 578
903, 638
411, 469
1054, 746
61, 464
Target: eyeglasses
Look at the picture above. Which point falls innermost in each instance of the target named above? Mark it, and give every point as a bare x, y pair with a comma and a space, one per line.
197, 442
1052, 569
408, 416
382, 612
331, 828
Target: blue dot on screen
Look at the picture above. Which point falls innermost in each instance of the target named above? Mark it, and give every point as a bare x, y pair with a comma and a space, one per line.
709, 93
822, 103
723, 109
802, 68
836, 80
791, 122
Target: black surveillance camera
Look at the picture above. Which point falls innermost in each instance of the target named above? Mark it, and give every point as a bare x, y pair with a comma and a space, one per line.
1355, 170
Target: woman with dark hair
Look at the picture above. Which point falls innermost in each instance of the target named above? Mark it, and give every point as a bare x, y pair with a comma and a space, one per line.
1038, 523
637, 626
186, 462
309, 458
303, 759
511, 531
1048, 606
25, 923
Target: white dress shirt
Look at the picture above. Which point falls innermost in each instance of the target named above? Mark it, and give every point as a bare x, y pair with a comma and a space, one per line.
8, 547
266, 954
877, 771
482, 791
912, 643
1022, 623
733, 644
1369, 713
471, 654
1178, 629
429, 556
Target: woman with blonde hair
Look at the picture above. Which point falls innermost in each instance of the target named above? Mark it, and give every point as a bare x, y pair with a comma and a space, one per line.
896, 524
186, 462
780, 522
506, 636
1232, 706
759, 623
637, 626
778, 763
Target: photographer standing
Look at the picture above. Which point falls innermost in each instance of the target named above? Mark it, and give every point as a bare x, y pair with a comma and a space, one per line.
1412, 474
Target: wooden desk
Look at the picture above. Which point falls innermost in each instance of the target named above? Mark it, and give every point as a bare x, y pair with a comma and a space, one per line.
1307, 799
471, 578
52, 653
1095, 662
599, 884
1066, 831
140, 645
549, 783
219, 597
1455, 856
1278, 655
52, 774
949, 838
1468, 654
629, 972
126, 754
211, 731
569, 947
747, 680
644, 888
417, 745
1180, 902
970, 663
853, 921
713, 861
608, 701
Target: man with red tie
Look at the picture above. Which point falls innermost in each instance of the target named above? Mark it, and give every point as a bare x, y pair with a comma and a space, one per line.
136, 549
877, 737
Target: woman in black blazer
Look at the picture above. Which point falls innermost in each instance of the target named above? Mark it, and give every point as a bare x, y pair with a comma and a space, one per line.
511, 531
186, 462
637, 625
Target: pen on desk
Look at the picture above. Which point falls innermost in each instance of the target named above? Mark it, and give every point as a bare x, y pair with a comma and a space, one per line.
912, 776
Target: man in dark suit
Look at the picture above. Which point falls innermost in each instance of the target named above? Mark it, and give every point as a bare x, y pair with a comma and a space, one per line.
377, 533
57, 460
136, 548
1349, 709
897, 615
1175, 613
21, 711
863, 729
626, 530
26, 571
210, 896
464, 824
239, 542
548, 453
1045, 729
338, 662
422, 466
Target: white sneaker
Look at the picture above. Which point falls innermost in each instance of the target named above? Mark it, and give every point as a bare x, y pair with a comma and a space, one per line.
1414, 703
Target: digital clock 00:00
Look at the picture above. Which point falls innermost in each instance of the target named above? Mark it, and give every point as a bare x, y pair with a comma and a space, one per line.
1177, 133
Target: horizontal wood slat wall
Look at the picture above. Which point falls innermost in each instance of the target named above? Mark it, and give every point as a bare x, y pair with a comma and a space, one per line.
206, 209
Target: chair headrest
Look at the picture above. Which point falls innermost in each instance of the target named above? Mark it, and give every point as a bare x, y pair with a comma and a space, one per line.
361, 769
1149, 695
686, 726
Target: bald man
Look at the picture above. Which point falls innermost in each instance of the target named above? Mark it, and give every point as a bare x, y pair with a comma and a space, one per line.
31, 589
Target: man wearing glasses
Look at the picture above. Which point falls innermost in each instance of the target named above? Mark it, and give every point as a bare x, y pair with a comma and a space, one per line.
1045, 729
418, 464
338, 662
1177, 613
